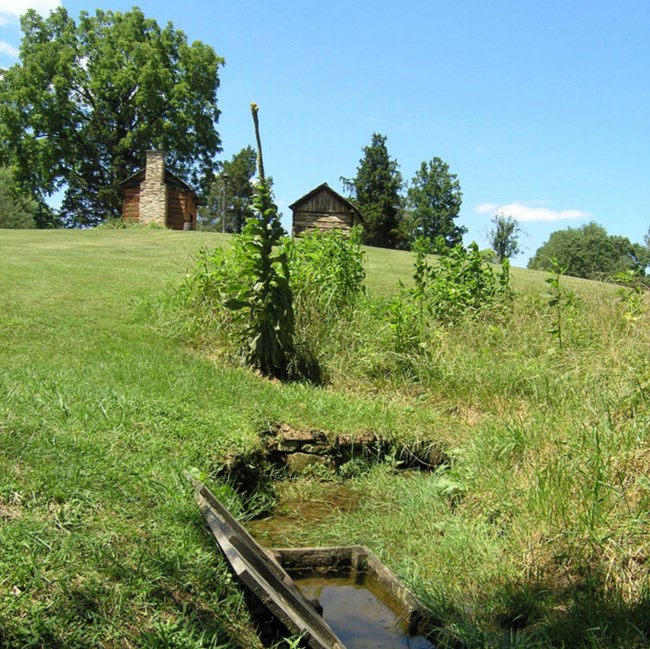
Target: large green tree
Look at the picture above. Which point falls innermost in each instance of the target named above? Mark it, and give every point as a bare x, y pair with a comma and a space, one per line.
376, 191
231, 191
589, 252
433, 201
89, 97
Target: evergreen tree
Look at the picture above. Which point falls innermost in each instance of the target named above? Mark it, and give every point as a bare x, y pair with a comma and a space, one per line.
504, 237
19, 209
16, 211
376, 191
231, 190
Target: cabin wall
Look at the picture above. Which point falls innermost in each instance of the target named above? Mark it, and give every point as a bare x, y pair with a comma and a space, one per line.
181, 210
192, 209
175, 210
131, 204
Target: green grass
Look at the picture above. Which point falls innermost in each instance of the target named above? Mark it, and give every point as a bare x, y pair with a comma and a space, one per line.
536, 535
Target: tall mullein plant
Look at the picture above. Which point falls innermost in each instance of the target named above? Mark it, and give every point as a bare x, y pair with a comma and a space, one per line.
264, 293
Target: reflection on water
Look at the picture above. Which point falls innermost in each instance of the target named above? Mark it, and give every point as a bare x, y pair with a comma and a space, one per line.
358, 612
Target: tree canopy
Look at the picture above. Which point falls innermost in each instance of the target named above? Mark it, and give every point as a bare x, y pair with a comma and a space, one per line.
434, 200
376, 191
17, 211
589, 252
88, 98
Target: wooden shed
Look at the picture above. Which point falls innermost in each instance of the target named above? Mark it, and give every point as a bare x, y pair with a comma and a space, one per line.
324, 209
156, 195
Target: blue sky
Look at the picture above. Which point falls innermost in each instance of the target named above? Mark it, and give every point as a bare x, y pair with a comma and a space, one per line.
542, 108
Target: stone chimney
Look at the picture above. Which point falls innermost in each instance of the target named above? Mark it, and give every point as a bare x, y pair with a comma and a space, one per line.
153, 191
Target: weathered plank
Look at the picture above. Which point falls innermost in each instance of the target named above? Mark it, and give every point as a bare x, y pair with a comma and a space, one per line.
264, 576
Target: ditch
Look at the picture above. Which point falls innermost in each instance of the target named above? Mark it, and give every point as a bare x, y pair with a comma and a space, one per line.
362, 611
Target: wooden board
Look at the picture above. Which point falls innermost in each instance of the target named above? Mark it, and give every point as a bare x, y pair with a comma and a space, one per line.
264, 576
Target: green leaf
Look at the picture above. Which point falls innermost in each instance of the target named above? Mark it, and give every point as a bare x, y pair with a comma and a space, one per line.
236, 304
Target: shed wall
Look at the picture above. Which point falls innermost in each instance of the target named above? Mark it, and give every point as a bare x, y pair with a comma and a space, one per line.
323, 202
314, 220
323, 211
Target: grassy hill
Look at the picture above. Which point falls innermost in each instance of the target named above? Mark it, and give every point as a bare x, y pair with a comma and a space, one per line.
534, 533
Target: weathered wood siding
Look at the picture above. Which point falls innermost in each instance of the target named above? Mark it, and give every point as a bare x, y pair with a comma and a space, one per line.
313, 220
192, 208
181, 209
131, 205
175, 210
324, 202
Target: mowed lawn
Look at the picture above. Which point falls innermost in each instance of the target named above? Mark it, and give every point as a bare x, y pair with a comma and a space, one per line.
535, 535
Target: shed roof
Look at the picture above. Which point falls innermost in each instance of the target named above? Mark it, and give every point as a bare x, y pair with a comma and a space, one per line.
327, 188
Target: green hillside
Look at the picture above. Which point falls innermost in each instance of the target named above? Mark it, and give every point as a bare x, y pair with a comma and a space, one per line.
533, 532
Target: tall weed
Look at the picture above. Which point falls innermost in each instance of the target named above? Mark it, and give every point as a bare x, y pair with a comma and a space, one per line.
559, 301
261, 290
289, 302
632, 294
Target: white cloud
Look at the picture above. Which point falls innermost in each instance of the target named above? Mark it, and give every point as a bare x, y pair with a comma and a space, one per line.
486, 208
11, 10
522, 212
8, 49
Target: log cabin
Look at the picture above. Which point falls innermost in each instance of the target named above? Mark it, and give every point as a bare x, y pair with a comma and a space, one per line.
155, 195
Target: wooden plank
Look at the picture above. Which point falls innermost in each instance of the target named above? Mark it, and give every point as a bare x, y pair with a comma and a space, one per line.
310, 217
264, 576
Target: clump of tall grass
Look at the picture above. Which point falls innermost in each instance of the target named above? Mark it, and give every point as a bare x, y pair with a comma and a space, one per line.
327, 279
339, 331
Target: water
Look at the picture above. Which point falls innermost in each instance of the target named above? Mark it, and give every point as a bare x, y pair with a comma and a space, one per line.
360, 615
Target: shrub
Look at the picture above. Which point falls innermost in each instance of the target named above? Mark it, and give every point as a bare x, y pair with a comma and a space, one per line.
328, 266
455, 285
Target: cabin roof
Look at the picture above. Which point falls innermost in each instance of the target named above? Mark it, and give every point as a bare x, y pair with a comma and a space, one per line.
325, 187
170, 179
